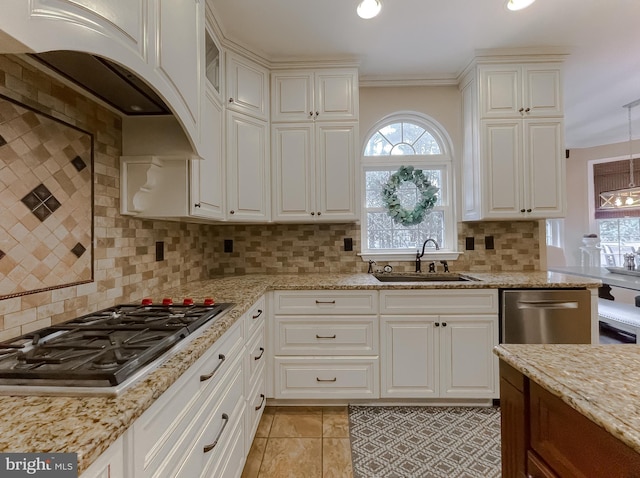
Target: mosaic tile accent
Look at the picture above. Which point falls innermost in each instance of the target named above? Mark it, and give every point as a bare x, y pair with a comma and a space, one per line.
36, 173
78, 250
78, 163
41, 202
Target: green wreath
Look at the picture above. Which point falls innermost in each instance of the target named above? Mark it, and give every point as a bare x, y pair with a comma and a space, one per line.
428, 196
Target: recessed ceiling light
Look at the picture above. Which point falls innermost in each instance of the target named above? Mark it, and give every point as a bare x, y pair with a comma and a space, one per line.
515, 5
369, 8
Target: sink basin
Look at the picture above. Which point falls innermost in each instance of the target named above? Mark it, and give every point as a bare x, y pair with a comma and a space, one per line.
423, 277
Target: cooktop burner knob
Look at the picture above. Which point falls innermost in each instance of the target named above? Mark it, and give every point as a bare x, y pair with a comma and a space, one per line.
187, 301
147, 302
167, 301
209, 301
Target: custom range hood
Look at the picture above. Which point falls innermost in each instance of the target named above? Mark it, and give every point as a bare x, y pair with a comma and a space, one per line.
106, 80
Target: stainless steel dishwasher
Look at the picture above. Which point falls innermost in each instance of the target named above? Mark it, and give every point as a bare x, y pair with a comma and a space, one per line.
546, 316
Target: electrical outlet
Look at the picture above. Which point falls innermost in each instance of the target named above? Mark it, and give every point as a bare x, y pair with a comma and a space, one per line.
160, 251
228, 245
488, 242
348, 244
470, 243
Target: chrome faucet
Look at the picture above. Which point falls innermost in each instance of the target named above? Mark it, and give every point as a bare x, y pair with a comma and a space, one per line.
420, 254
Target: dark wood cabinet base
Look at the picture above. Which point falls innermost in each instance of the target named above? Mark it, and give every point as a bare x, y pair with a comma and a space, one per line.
543, 437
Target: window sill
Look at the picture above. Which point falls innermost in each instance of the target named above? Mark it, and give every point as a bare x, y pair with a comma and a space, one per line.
409, 256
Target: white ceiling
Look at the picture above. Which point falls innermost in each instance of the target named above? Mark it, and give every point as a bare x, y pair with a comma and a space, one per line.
435, 39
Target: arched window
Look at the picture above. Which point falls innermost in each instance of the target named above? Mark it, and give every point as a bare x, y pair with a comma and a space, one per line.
406, 139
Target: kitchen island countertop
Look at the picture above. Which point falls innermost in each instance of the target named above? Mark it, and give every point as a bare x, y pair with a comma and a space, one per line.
602, 382
89, 425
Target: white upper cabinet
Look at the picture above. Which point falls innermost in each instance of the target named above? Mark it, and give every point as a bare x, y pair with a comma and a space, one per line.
208, 174
305, 95
213, 66
314, 135
247, 87
248, 178
314, 173
521, 91
512, 162
524, 176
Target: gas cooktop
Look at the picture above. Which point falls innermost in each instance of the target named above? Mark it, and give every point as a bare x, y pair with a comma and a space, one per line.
102, 352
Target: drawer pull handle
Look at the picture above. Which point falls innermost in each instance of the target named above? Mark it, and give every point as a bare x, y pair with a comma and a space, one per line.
257, 315
204, 378
325, 301
318, 379
261, 354
208, 448
261, 402
325, 336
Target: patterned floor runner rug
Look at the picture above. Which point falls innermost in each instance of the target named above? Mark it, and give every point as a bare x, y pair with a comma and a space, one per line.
425, 442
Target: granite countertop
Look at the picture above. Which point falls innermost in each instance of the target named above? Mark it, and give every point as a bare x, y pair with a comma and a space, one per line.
602, 382
615, 279
89, 425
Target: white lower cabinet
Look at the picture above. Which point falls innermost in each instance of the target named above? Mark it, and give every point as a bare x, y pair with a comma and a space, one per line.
188, 416
325, 344
111, 464
204, 424
438, 344
256, 369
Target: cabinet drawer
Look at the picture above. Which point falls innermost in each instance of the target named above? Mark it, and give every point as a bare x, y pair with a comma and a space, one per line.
335, 336
256, 402
468, 301
326, 378
213, 428
325, 302
232, 461
167, 420
255, 316
257, 357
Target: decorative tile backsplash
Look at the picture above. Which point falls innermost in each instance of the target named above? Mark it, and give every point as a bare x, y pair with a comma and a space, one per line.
46, 191
288, 248
125, 266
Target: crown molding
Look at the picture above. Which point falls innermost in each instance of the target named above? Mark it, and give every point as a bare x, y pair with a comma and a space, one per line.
390, 81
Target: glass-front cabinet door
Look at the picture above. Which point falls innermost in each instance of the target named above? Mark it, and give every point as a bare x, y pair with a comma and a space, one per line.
212, 62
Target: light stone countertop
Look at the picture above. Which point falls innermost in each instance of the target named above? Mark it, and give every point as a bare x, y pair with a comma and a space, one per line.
602, 382
89, 425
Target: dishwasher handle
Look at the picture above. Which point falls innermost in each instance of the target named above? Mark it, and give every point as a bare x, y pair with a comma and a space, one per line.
547, 304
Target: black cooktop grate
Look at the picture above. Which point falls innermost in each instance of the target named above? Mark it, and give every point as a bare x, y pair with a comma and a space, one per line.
100, 349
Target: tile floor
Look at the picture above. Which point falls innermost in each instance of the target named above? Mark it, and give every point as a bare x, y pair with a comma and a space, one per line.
310, 442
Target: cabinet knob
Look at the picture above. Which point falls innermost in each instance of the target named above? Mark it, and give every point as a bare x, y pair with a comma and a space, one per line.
196, 204
319, 213
313, 213
317, 114
437, 324
444, 324
521, 210
527, 110
310, 114
528, 210
230, 100
232, 212
520, 110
